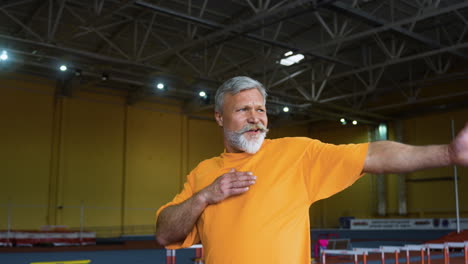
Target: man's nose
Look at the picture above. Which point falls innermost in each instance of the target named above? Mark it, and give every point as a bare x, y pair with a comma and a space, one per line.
253, 117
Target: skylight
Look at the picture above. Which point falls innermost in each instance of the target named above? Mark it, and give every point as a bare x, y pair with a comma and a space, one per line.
291, 59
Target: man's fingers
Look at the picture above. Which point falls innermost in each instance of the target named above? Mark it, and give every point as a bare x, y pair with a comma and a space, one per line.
243, 178
242, 184
239, 175
237, 191
231, 183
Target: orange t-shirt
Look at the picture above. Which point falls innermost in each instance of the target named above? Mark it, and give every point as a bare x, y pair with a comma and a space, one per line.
270, 222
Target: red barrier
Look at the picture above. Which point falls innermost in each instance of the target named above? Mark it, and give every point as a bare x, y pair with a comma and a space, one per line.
199, 256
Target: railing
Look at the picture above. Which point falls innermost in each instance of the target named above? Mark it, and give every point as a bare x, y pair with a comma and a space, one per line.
12, 219
423, 249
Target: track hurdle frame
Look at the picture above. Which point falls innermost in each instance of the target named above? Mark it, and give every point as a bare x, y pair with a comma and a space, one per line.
376, 251
171, 254
353, 253
394, 250
463, 245
443, 247
420, 248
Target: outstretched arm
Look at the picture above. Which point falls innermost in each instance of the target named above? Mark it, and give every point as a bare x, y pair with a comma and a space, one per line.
393, 157
175, 222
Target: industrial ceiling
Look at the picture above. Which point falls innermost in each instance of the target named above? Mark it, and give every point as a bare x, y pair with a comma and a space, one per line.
369, 60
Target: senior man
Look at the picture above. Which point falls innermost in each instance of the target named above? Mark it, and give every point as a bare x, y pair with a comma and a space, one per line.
251, 203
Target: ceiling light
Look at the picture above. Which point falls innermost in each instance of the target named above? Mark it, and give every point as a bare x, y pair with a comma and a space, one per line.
105, 77
63, 68
202, 94
343, 121
292, 59
285, 109
160, 86
289, 53
78, 72
4, 55
354, 122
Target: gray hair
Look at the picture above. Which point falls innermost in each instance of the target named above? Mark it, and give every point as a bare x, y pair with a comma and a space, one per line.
234, 86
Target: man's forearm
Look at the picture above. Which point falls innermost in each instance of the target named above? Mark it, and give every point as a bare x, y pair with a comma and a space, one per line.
175, 222
394, 157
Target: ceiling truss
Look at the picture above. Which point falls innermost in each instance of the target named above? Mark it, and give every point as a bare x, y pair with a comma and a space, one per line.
370, 60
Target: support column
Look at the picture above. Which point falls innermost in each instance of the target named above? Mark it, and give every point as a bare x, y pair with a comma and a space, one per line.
381, 133
402, 197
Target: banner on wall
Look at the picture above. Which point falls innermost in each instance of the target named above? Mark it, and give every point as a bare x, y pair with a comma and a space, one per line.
417, 223
55, 238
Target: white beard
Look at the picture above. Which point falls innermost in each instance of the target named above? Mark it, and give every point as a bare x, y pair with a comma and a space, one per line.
249, 144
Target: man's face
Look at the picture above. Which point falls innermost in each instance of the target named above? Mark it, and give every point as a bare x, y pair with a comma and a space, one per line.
239, 111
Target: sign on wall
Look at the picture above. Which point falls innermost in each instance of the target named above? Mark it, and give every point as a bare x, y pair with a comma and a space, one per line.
417, 223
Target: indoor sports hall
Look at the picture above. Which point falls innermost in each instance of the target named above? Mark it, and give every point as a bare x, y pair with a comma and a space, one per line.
111, 109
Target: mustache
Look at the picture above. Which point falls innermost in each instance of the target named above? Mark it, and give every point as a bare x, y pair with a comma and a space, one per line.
249, 127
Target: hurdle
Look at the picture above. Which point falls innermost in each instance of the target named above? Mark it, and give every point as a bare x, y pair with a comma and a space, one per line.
392, 249
463, 245
380, 251
353, 253
443, 247
171, 254
364, 252
419, 248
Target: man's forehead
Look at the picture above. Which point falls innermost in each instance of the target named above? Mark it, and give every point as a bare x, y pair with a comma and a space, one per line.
249, 95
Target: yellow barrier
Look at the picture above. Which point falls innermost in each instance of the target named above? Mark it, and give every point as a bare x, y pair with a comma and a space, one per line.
83, 261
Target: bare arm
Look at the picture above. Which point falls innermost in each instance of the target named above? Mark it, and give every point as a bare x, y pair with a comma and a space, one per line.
175, 222
393, 157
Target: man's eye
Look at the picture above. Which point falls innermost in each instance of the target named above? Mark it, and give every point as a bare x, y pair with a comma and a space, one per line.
261, 110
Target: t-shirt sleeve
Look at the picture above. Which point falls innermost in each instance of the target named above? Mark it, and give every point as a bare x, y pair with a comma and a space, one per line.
329, 169
192, 237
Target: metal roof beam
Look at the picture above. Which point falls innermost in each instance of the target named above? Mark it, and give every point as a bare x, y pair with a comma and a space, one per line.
422, 82
15, 19
236, 29
368, 18
257, 38
82, 53
400, 60
389, 26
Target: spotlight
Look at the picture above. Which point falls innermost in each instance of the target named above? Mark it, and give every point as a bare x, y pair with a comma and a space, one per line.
105, 77
63, 68
285, 109
343, 121
354, 122
202, 94
4, 55
160, 86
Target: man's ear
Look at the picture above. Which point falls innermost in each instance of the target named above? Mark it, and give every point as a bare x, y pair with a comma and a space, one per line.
219, 118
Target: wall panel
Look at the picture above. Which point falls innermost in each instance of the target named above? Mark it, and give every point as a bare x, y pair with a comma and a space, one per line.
91, 162
205, 140
153, 162
26, 123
